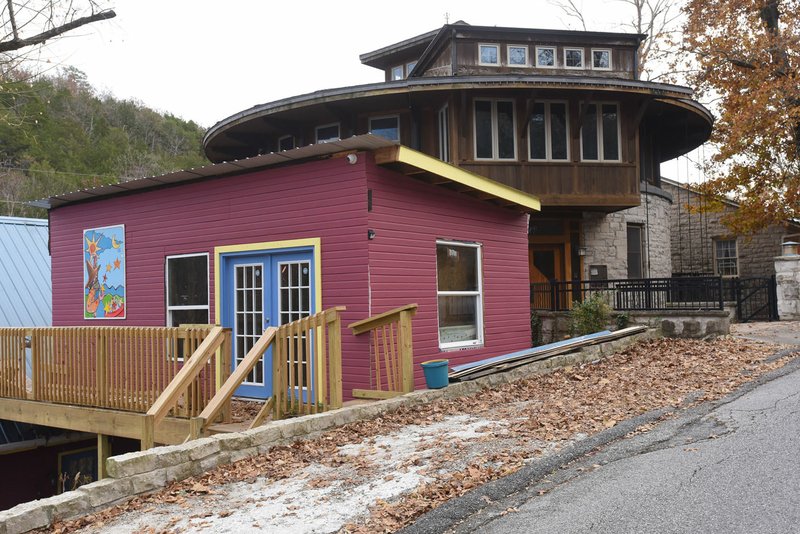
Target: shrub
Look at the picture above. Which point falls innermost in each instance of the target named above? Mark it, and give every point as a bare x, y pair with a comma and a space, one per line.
622, 320
590, 316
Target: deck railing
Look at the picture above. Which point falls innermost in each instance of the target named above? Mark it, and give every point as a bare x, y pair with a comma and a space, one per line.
645, 294
391, 352
120, 368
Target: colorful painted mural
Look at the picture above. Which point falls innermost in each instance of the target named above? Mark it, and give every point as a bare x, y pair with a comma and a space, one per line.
104, 273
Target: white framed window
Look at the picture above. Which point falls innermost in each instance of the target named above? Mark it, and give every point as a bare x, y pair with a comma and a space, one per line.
601, 59
443, 123
495, 130
546, 57
726, 257
459, 294
285, 142
489, 54
186, 287
573, 58
548, 132
397, 73
517, 55
409, 67
600, 132
327, 132
388, 127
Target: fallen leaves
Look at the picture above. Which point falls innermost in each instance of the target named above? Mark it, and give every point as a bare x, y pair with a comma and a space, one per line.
528, 419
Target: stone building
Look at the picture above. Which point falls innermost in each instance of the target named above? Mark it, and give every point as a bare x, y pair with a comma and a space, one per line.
702, 244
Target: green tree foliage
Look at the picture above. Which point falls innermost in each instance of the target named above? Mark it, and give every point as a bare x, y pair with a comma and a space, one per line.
59, 135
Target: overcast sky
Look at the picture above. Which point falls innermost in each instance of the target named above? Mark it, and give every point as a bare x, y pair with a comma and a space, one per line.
205, 60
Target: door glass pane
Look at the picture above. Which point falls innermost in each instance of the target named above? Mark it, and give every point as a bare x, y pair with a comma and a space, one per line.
295, 304
537, 133
249, 320
589, 133
558, 130
483, 129
506, 136
610, 132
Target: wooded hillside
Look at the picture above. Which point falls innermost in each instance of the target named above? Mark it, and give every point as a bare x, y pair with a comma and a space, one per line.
57, 134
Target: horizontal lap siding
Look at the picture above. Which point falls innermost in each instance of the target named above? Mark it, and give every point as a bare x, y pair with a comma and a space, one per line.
408, 217
325, 199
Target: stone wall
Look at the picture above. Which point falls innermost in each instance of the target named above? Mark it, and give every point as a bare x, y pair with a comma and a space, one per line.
605, 237
693, 235
787, 274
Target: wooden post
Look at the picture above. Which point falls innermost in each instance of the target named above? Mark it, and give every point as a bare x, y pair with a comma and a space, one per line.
196, 427
103, 452
278, 363
406, 352
335, 363
224, 366
148, 432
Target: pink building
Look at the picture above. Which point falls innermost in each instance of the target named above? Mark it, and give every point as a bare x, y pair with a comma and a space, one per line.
363, 223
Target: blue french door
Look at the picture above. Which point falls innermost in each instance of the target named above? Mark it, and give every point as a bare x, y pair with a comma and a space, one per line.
262, 289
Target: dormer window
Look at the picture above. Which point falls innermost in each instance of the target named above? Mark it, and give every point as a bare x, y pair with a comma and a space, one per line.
327, 132
517, 55
409, 67
546, 56
573, 58
601, 59
388, 127
489, 54
397, 73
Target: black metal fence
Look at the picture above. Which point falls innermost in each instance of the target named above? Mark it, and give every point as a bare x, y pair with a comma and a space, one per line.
645, 294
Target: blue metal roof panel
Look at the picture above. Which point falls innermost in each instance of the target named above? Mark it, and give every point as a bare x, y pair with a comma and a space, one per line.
25, 286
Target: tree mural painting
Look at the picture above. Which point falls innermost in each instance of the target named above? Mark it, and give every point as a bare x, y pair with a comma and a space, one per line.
104, 273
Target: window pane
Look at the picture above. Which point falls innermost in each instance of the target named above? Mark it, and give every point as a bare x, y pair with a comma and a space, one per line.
537, 133
545, 57
505, 130
634, 251
286, 143
610, 136
573, 58
179, 317
457, 318
444, 135
489, 54
601, 59
397, 73
457, 268
188, 281
410, 67
483, 129
328, 133
558, 130
517, 55
388, 127
589, 132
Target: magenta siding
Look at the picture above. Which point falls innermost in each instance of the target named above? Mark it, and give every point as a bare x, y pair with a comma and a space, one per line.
408, 217
325, 199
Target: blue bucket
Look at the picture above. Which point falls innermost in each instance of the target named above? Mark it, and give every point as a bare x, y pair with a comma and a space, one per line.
435, 373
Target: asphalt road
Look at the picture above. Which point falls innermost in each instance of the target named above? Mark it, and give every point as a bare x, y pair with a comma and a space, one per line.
732, 466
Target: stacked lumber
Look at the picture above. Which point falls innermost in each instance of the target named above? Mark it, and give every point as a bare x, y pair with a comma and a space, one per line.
496, 364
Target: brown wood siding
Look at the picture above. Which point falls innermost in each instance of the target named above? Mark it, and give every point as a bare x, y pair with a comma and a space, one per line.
622, 60
442, 65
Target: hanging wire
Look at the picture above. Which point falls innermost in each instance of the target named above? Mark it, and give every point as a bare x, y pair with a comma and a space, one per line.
689, 213
708, 241
680, 226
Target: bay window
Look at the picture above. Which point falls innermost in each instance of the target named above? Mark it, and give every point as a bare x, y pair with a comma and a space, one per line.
459, 294
548, 131
600, 133
495, 129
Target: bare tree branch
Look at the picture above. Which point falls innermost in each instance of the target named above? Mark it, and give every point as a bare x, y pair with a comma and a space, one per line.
16, 43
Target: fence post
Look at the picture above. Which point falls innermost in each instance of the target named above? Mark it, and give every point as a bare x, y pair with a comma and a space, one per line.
553, 296
721, 297
738, 291
224, 371
335, 360
648, 296
406, 352
773, 298
148, 432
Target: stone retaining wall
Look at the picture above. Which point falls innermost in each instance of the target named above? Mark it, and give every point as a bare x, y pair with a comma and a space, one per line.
147, 471
687, 324
787, 276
